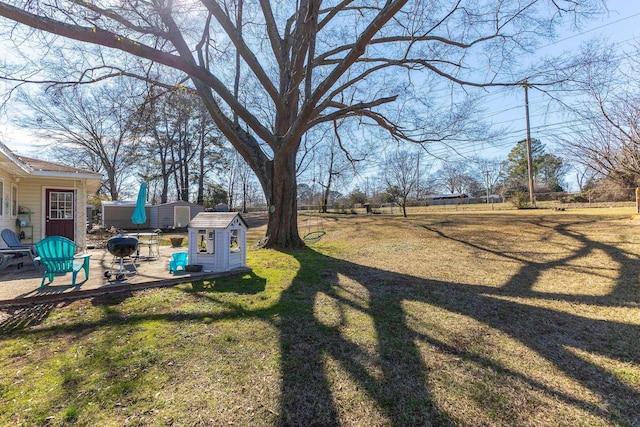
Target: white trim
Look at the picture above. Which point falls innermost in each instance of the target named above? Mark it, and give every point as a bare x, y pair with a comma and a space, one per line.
14, 215
72, 175
6, 151
2, 198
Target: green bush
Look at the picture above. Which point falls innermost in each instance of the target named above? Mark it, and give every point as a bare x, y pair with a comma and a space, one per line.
577, 198
520, 200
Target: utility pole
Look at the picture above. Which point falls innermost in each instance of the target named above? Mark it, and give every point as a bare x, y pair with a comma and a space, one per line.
532, 199
418, 178
486, 182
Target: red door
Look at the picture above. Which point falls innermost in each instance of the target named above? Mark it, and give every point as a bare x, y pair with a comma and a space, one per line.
59, 215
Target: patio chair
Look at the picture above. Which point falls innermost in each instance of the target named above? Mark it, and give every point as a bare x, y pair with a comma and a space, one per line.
13, 242
7, 260
178, 260
57, 255
151, 240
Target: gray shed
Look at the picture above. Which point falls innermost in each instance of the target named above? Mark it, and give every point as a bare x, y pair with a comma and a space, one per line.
118, 215
173, 214
218, 241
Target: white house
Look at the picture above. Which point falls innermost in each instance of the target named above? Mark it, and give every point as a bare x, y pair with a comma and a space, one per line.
40, 198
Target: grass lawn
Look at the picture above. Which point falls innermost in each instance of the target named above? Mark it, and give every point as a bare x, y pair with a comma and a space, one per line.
528, 318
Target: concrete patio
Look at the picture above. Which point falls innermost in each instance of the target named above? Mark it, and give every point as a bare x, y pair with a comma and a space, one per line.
20, 286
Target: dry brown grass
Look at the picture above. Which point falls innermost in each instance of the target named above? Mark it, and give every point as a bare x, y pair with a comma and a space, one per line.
484, 318
512, 318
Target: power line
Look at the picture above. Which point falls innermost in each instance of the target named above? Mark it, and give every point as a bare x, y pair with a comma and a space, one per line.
590, 30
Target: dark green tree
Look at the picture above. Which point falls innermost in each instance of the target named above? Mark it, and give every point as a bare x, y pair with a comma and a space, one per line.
179, 141
214, 195
357, 196
549, 170
517, 170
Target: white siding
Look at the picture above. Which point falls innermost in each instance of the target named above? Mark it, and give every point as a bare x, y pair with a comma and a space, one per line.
31, 196
5, 220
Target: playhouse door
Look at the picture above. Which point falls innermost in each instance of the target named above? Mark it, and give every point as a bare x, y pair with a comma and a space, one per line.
59, 215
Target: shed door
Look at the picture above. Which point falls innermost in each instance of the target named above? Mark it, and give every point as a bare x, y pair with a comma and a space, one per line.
59, 215
181, 216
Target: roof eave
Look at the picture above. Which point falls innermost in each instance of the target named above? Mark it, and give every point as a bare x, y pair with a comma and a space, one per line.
22, 169
66, 175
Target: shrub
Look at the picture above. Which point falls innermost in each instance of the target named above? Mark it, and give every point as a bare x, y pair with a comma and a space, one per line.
520, 199
577, 198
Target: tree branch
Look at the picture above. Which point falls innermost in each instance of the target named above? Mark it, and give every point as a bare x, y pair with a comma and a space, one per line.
236, 38
358, 49
108, 39
345, 110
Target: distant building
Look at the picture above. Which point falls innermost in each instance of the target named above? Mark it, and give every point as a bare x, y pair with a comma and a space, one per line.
460, 199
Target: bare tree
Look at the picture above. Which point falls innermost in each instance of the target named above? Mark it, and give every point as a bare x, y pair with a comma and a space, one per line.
246, 179
585, 176
300, 69
454, 176
605, 136
401, 177
100, 123
210, 153
331, 166
490, 172
239, 181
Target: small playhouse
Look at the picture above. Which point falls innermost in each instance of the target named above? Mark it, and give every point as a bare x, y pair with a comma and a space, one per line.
218, 241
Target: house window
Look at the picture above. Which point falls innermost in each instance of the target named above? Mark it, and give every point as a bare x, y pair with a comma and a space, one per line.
2, 199
60, 205
14, 201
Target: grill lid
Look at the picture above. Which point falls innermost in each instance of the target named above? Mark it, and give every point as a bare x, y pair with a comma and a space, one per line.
122, 246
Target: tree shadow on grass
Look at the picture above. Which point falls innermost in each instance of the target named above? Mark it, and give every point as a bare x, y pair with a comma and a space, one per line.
307, 398
246, 284
400, 390
24, 317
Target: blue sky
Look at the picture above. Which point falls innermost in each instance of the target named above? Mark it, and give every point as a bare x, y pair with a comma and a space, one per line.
621, 28
504, 108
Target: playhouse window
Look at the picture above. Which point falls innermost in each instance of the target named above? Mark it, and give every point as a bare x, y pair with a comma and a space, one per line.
233, 238
206, 241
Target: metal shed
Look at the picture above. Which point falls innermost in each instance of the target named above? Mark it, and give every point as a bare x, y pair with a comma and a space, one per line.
118, 215
218, 241
173, 214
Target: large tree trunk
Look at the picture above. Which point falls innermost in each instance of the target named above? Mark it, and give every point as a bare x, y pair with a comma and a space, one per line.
201, 172
277, 176
282, 228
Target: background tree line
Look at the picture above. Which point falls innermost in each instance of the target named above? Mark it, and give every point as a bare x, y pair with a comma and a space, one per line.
409, 177
130, 131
